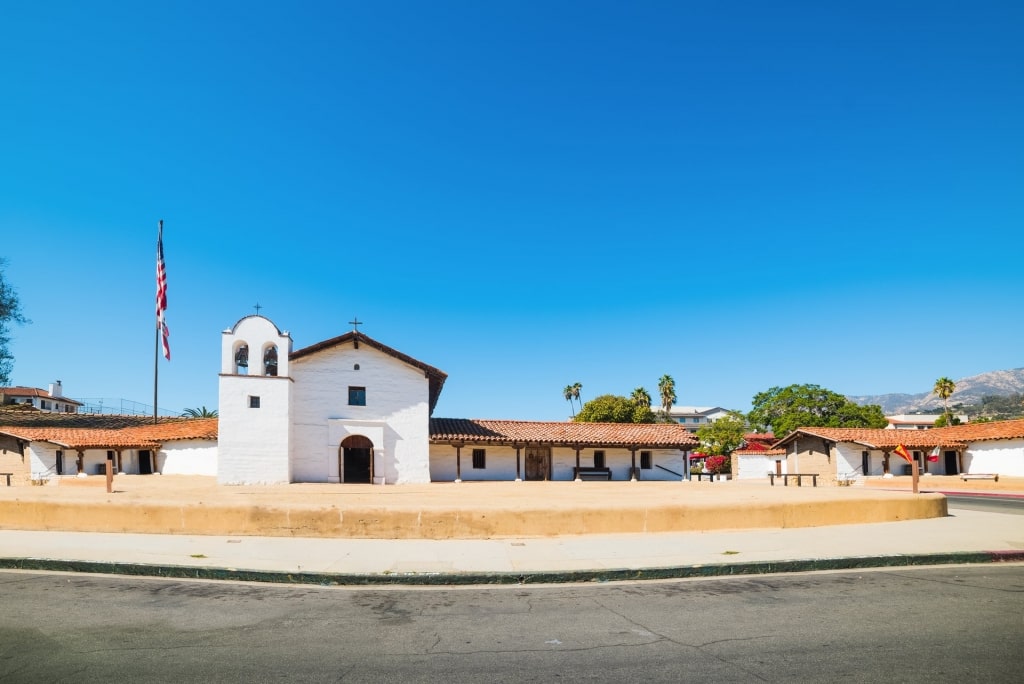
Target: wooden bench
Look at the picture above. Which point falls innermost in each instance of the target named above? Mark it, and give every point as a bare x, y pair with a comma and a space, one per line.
8, 476
963, 476
592, 473
799, 478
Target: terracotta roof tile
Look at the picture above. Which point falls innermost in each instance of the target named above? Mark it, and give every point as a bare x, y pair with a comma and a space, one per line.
759, 452
137, 437
978, 432
663, 435
953, 436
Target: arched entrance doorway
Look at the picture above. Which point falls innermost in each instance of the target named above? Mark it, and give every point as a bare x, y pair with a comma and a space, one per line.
356, 460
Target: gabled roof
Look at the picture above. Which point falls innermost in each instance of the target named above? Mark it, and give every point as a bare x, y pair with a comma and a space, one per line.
571, 434
35, 392
952, 436
434, 375
876, 438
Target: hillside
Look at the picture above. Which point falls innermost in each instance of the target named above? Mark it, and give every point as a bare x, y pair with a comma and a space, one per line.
969, 391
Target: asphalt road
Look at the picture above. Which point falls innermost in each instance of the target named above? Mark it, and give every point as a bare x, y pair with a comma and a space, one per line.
959, 623
990, 504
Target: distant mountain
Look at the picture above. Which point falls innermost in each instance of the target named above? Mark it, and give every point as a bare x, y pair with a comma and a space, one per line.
968, 391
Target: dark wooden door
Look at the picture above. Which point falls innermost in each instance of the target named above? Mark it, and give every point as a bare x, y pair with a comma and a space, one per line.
356, 466
145, 463
951, 468
538, 463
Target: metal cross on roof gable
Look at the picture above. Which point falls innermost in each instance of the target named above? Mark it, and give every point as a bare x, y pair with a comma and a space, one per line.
355, 323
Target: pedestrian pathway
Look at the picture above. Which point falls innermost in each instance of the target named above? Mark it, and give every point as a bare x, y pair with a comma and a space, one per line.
966, 536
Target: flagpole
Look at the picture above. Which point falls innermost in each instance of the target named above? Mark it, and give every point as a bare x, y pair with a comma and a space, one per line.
156, 346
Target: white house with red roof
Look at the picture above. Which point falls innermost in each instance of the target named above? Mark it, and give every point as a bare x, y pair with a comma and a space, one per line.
52, 401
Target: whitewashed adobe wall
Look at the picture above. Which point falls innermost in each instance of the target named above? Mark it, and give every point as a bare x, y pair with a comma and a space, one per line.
396, 417
187, 457
1002, 456
253, 440
752, 466
500, 463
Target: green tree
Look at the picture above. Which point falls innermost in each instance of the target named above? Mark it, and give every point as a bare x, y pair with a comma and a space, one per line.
784, 409
724, 435
611, 408
641, 397
200, 413
944, 388
10, 312
667, 392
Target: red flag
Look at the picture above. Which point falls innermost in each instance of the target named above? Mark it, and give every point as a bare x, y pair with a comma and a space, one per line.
933, 457
902, 451
161, 293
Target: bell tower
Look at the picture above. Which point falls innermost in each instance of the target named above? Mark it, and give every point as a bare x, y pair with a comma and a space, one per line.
255, 404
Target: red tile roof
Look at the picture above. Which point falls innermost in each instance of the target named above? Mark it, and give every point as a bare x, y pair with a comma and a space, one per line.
476, 431
953, 436
877, 438
759, 452
978, 432
137, 437
35, 392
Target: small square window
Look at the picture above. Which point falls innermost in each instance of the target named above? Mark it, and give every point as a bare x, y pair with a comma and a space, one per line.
645, 460
357, 396
254, 402
599, 459
479, 459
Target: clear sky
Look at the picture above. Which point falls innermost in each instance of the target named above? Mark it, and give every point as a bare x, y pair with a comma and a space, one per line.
522, 194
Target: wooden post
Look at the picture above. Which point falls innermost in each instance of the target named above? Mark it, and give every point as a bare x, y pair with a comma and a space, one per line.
518, 469
632, 469
578, 478
915, 473
458, 463
110, 475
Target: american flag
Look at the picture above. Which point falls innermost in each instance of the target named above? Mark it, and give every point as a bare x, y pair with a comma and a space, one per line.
161, 293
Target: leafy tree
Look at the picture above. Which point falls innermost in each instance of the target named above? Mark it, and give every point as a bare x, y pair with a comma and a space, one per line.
667, 391
784, 409
611, 408
200, 413
10, 312
642, 397
944, 388
724, 435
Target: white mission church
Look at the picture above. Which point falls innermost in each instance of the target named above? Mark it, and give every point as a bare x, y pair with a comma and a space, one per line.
348, 409
353, 410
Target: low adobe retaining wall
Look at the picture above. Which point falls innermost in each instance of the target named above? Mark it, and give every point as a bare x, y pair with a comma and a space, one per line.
439, 522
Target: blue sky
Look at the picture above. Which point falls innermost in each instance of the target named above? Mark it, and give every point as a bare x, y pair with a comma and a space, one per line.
523, 194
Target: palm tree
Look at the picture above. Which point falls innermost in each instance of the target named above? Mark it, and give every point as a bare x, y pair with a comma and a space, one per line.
667, 390
200, 413
944, 388
567, 393
576, 387
641, 397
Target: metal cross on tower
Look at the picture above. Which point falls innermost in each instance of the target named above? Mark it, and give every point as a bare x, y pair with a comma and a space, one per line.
257, 307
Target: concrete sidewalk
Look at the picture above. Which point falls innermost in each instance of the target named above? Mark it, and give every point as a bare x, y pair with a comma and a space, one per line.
966, 537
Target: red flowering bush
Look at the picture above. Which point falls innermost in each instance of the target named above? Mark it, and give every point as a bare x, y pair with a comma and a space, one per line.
717, 464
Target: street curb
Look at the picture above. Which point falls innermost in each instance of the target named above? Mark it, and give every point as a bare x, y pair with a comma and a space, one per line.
543, 577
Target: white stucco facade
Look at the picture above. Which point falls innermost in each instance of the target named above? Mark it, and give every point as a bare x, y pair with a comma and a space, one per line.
395, 416
344, 410
500, 463
1001, 456
255, 404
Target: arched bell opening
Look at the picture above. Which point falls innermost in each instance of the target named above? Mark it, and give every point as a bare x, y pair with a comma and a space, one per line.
355, 460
